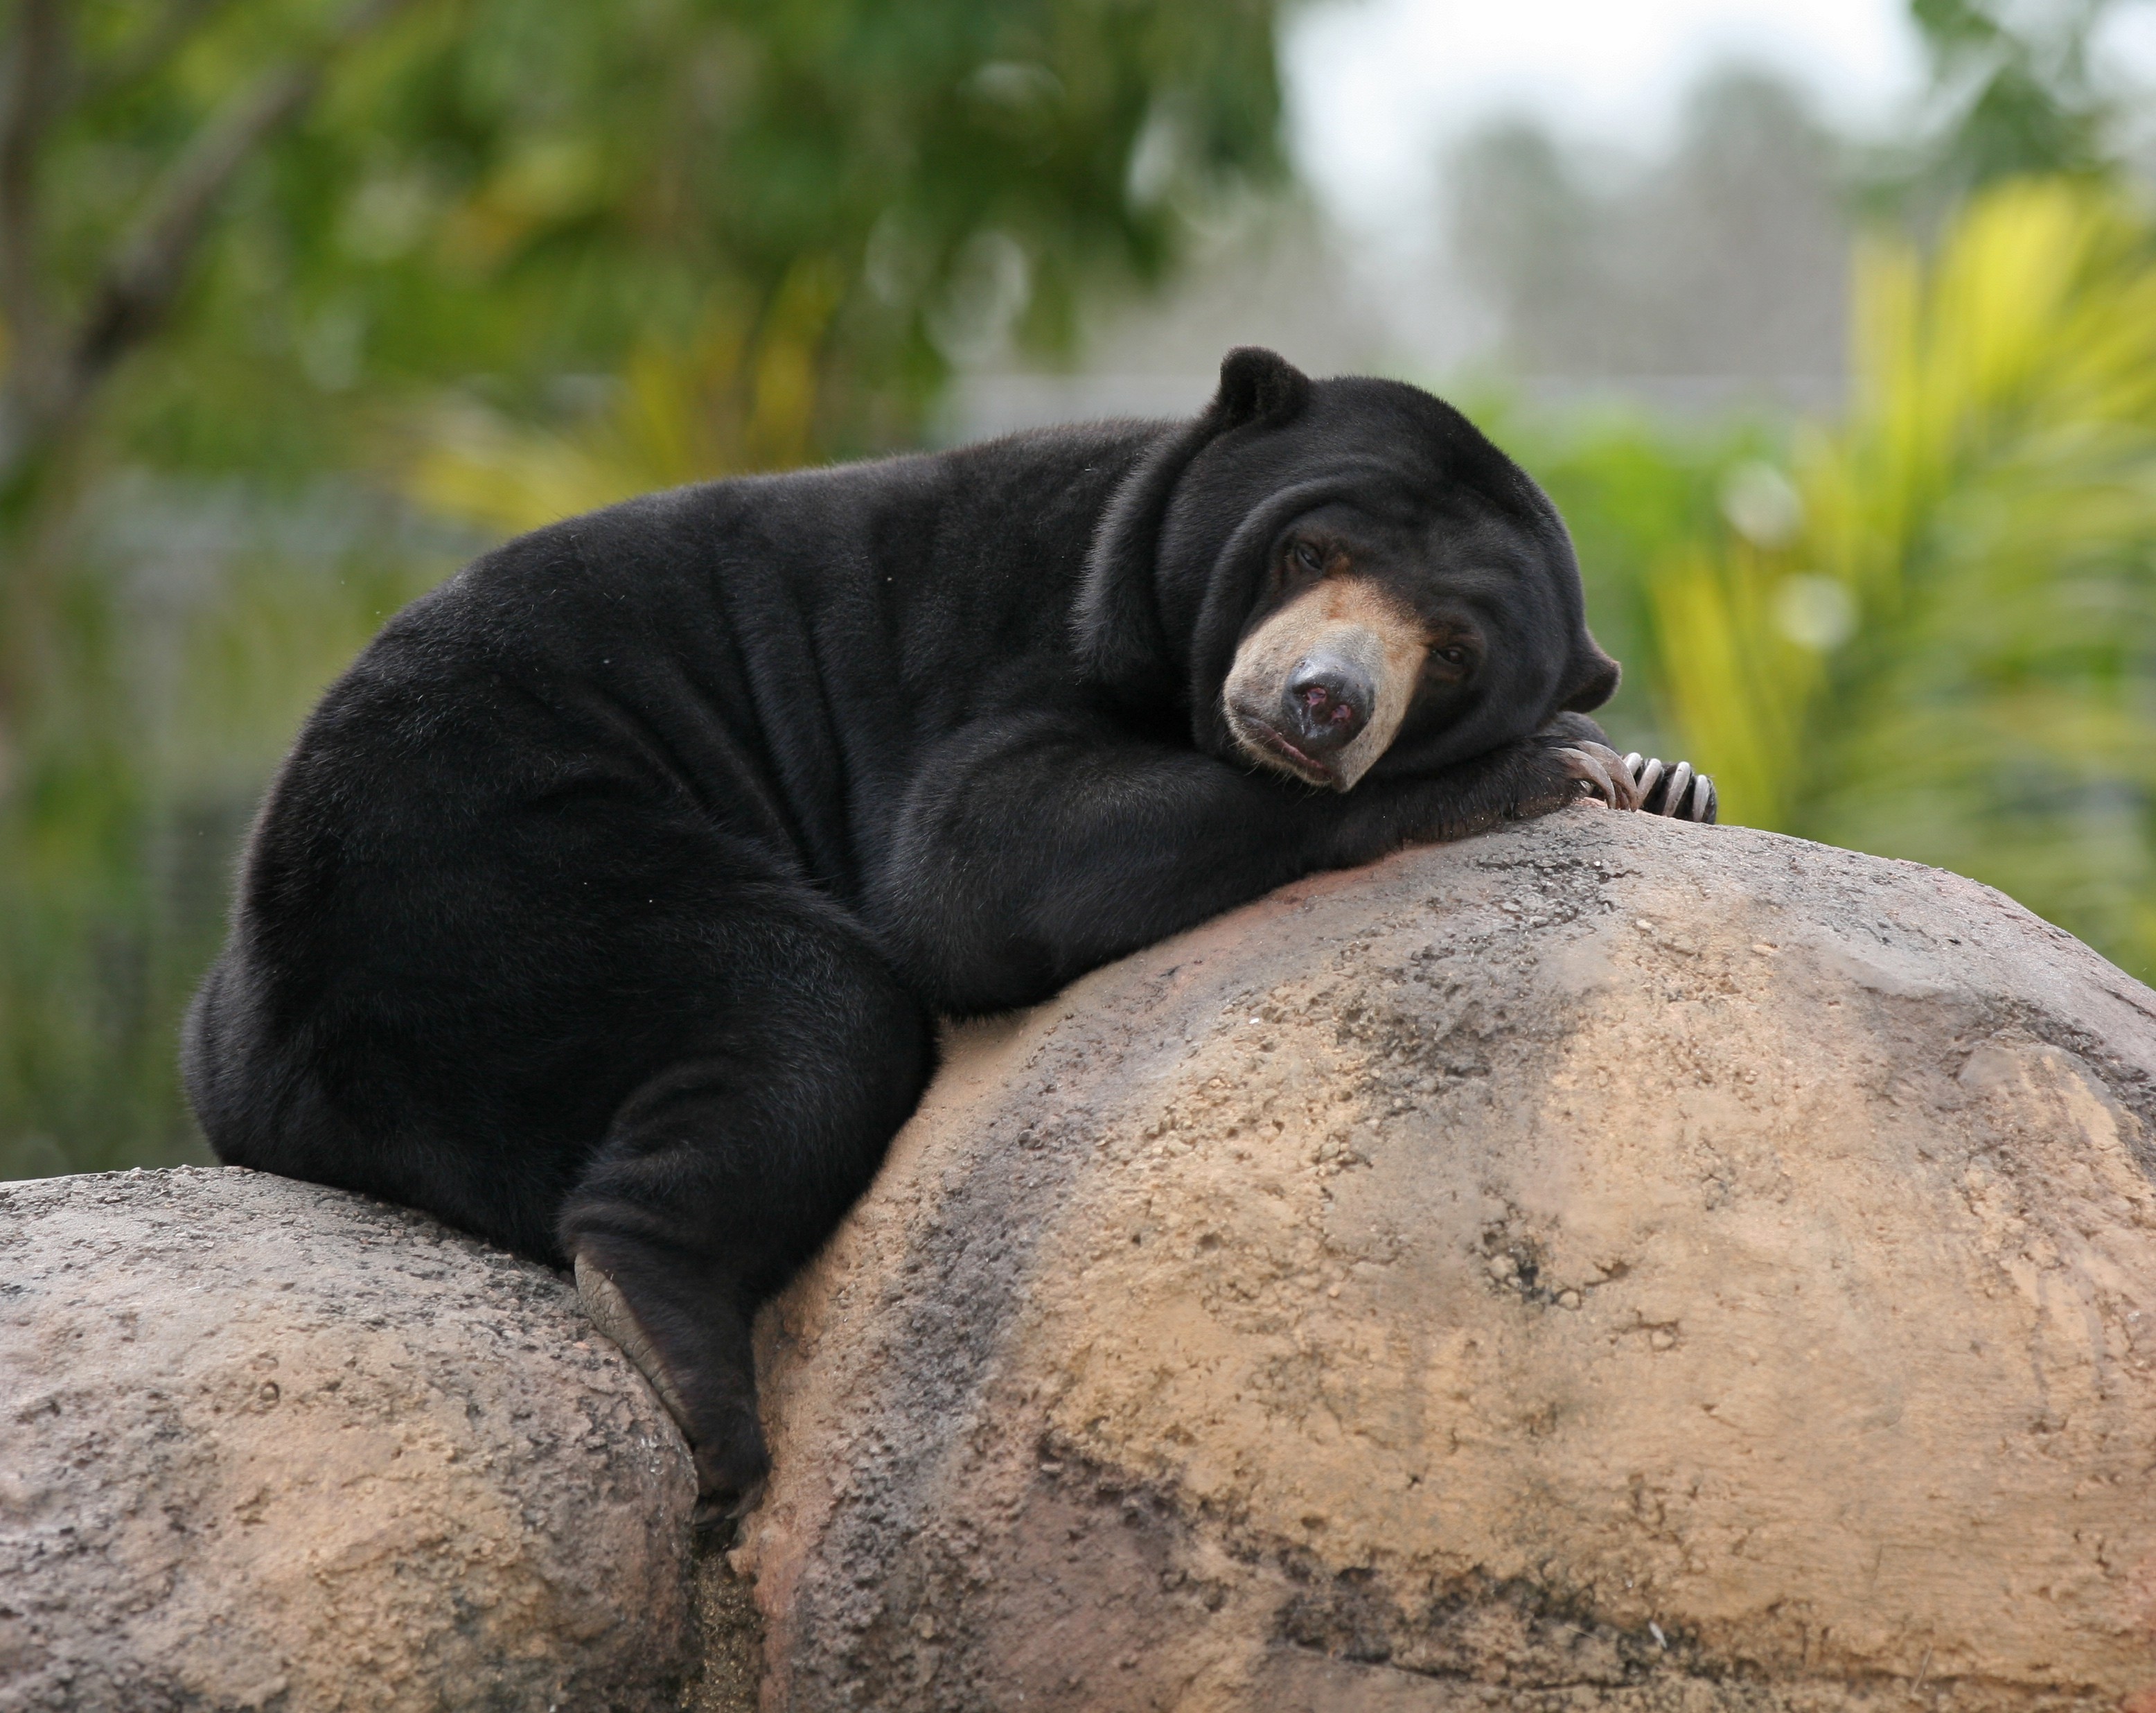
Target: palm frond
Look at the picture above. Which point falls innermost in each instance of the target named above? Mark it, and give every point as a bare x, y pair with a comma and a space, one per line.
1986, 515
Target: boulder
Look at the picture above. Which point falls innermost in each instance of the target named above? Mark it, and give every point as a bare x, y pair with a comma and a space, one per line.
1607, 1264
269, 1446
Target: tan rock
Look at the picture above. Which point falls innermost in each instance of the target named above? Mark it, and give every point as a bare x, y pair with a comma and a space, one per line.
269, 1446
1611, 1264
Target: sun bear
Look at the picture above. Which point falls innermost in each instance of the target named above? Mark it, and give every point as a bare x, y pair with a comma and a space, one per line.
605, 906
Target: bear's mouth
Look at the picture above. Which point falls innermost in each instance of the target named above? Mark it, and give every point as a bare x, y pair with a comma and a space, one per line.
1259, 735
1319, 690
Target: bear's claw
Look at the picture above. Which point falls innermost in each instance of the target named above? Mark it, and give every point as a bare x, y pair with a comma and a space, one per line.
1677, 792
719, 1512
1602, 771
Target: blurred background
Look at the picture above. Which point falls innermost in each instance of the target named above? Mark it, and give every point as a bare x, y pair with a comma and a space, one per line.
1830, 324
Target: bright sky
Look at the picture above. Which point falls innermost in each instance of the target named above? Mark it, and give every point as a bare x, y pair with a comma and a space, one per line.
1377, 88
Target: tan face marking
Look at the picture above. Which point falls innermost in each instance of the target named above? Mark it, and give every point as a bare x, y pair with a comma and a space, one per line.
1350, 618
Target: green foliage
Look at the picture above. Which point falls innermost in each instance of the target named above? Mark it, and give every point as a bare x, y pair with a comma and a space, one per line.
1928, 629
500, 193
1630, 487
2018, 94
199, 625
662, 240
1946, 650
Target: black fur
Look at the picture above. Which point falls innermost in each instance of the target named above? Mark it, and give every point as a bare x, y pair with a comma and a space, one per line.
606, 903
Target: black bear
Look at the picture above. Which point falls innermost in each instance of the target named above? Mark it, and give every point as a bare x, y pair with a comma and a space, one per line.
605, 906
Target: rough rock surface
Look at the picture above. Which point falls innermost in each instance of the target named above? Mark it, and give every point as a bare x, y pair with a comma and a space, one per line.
269, 1446
1610, 1264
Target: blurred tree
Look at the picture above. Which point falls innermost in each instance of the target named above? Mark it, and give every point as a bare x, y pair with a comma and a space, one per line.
1935, 635
76, 300
246, 247
842, 194
1630, 484
1719, 272
2017, 91
1928, 629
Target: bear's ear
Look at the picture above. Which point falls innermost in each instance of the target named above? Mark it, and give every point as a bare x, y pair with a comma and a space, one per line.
1116, 622
1258, 385
1589, 681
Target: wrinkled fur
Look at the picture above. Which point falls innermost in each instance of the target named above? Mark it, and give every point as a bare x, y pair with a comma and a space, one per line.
606, 903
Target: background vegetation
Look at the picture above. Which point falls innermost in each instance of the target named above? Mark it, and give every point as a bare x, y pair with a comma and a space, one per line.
301, 304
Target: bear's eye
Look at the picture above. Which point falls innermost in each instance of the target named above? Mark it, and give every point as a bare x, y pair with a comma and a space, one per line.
1307, 556
1455, 655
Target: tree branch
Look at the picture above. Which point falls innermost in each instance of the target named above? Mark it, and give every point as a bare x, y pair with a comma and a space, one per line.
55, 375
35, 68
144, 275
147, 268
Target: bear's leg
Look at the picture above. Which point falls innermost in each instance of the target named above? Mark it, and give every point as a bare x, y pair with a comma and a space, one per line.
722, 1173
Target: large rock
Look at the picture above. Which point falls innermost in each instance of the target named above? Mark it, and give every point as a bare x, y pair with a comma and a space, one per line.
1612, 1264
268, 1446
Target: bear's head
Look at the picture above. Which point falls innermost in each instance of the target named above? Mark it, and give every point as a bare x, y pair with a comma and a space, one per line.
1327, 577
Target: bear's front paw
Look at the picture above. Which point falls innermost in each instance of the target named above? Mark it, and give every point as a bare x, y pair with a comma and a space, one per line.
1602, 774
1675, 791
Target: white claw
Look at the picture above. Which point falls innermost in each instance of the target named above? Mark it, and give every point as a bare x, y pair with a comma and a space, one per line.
1705, 803
1587, 768
1648, 773
1634, 762
1679, 783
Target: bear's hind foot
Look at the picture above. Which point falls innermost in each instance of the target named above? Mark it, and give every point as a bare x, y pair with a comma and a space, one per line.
608, 1310
728, 1447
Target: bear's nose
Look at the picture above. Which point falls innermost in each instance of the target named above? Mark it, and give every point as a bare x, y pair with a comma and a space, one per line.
1327, 702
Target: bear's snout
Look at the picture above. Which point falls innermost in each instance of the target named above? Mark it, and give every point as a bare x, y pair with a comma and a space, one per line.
1320, 688
1326, 702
